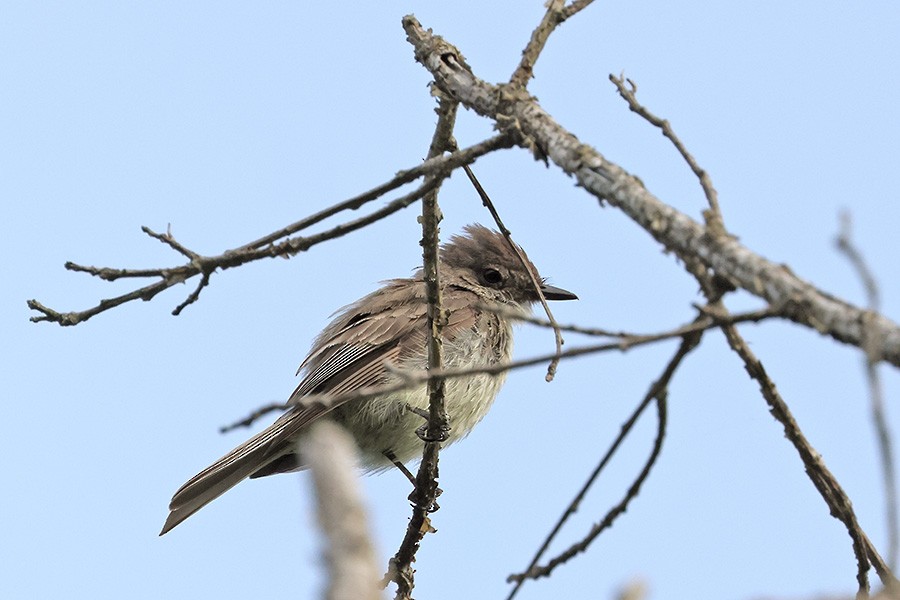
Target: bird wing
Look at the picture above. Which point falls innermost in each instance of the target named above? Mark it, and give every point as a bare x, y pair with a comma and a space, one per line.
351, 355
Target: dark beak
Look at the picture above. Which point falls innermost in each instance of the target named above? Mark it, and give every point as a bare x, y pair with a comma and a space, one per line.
555, 293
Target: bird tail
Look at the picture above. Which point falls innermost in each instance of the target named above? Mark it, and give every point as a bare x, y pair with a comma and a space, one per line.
213, 481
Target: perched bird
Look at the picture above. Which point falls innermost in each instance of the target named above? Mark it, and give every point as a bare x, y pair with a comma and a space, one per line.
365, 346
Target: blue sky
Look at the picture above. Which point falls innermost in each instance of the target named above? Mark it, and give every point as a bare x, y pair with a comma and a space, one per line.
228, 120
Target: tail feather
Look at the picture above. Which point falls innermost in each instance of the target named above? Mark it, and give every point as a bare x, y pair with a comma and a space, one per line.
206, 487
254, 454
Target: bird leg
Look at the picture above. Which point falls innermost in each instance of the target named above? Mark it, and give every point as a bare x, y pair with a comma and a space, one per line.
412, 479
393, 458
423, 430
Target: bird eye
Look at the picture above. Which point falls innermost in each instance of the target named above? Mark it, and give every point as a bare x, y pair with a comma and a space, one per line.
492, 276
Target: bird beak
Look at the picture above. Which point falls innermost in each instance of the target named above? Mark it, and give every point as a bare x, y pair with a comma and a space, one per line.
554, 293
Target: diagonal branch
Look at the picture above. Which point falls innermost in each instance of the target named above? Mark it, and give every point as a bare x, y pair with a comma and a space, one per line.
557, 333
522, 117
658, 391
434, 170
556, 14
827, 485
713, 216
625, 341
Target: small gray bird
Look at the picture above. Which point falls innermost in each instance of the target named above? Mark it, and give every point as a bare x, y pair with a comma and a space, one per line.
367, 343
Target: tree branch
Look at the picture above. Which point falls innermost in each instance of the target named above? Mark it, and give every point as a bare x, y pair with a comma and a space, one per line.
521, 117
713, 216
658, 391
557, 334
844, 243
434, 171
350, 556
827, 485
438, 425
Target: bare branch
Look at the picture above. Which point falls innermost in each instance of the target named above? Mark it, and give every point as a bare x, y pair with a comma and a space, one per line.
438, 423
828, 487
556, 14
630, 338
435, 169
658, 391
552, 18
252, 417
626, 341
713, 216
349, 552
523, 118
486, 200
845, 244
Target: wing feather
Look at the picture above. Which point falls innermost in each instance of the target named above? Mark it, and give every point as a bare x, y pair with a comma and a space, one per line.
351, 355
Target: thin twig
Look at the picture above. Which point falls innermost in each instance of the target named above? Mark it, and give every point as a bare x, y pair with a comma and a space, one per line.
431, 166
713, 216
552, 18
169, 240
556, 14
845, 244
625, 341
628, 337
658, 391
252, 417
437, 169
557, 334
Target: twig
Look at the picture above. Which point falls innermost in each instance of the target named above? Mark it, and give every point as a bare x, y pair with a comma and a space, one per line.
436, 169
557, 334
628, 338
713, 216
658, 391
845, 244
552, 18
575, 7
438, 425
412, 379
556, 14
828, 487
252, 417
432, 166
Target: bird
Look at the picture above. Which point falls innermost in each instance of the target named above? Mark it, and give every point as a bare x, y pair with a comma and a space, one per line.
369, 342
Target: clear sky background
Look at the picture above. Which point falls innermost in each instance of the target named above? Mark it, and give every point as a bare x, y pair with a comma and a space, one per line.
228, 120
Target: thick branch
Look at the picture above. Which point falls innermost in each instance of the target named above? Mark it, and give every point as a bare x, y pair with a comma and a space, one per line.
520, 115
349, 554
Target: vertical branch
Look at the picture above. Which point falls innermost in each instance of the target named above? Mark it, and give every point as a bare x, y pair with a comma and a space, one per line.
328, 450
426, 490
438, 421
876, 395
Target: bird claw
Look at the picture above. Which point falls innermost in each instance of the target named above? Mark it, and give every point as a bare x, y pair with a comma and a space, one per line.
442, 436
